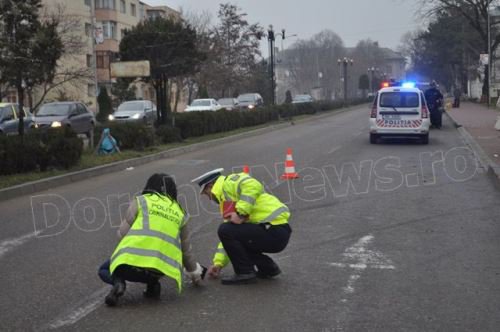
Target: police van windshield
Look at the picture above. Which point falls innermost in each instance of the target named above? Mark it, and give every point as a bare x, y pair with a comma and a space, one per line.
399, 99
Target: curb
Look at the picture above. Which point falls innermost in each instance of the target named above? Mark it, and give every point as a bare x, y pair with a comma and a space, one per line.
492, 169
60, 180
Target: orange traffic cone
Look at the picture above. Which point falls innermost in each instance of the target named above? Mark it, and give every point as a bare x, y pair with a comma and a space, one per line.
289, 167
246, 169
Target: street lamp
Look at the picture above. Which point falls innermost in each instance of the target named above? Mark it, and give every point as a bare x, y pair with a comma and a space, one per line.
372, 71
271, 37
345, 62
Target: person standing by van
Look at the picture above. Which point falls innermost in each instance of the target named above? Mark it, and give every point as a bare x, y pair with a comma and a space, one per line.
434, 99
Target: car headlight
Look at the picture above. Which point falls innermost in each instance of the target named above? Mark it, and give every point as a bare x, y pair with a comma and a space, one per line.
136, 116
56, 124
251, 107
111, 117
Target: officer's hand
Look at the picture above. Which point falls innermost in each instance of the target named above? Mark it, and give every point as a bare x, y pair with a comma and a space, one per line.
214, 271
196, 275
235, 218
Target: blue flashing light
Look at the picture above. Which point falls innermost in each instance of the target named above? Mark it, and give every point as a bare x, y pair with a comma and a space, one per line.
408, 85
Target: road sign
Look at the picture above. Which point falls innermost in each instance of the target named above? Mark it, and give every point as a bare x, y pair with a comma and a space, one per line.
130, 69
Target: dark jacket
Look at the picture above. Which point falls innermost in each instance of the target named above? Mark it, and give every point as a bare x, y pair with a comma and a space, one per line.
433, 97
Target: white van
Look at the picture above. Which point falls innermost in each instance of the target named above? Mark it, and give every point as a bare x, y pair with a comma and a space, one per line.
399, 111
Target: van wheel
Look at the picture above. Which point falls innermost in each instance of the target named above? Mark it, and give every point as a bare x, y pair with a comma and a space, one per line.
373, 139
425, 139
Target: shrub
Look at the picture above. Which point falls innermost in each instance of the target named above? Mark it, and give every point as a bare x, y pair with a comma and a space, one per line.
58, 148
105, 105
168, 134
129, 135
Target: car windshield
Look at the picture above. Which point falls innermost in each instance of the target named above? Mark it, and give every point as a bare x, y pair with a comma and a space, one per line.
200, 103
226, 101
399, 99
131, 106
302, 97
54, 110
246, 98
4, 110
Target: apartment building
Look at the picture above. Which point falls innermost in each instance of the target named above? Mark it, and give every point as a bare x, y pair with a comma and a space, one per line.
113, 18
101, 24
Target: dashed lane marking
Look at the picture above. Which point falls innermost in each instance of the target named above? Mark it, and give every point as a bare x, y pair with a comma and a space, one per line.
10, 244
78, 311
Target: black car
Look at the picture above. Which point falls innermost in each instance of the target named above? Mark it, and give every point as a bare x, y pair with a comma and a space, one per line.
9, 119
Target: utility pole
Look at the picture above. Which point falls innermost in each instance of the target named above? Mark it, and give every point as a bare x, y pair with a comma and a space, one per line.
345, 62
94, 52
372, 71
271, 39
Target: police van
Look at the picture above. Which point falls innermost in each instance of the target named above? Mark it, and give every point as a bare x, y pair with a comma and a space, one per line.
399, 111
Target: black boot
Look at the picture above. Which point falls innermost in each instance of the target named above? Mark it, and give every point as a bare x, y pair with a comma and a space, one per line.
269, 273
240, 279
115, 292
153, 290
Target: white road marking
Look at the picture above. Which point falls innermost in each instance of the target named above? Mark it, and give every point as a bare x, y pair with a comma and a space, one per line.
334, 149
79, 311
359, 259
9, 244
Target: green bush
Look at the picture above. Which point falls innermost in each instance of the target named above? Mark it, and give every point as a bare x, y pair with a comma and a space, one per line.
128, 135
39, 150
168, 134
105, 105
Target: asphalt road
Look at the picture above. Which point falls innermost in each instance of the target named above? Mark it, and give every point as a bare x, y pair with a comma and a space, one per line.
396, 236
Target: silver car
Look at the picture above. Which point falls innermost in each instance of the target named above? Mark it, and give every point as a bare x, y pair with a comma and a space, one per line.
72, 114
135, 110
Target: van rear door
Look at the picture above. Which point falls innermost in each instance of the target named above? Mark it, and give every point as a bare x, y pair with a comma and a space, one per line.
399, 109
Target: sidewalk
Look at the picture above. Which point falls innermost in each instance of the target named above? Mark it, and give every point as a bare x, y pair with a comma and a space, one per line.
479, 123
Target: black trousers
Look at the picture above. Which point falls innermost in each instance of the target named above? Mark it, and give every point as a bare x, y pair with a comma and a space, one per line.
127, 273
246, 244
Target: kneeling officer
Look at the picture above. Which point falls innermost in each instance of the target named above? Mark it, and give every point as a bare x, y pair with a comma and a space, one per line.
156, 242
255, 223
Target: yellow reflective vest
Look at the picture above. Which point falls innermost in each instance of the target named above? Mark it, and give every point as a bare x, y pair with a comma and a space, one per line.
251, 200
153, 241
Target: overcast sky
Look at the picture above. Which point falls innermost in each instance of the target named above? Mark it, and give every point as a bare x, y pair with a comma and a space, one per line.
382, 20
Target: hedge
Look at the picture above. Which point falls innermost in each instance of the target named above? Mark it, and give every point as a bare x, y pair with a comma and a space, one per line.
61, 148
38, 151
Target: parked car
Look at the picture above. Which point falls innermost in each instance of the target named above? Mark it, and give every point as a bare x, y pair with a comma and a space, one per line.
9, 119
203, 105
249, 101
71, 114
135, 110
229, 104
302, 99
399, 112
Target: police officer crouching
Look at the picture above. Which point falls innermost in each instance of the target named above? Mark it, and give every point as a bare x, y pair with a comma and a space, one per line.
254, 223
155, 243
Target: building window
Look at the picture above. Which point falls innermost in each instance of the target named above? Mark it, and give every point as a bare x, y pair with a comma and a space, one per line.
88, 29
87, 2
91, 90
141, 11
109, 29
89, 60
123, 7
100, 61
133, 9
105, 4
